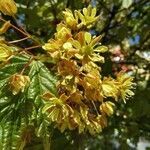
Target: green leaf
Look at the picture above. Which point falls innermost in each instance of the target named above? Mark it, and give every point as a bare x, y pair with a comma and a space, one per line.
126, 3
19, 112
13, 120
13, 112
41, 81
15, 65
11, 137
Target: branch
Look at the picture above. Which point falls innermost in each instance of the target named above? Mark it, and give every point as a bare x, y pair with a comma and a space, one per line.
104, 6
126, 62
21, 31
112, 15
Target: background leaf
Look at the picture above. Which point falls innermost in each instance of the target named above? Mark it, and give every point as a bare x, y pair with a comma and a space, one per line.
126, 3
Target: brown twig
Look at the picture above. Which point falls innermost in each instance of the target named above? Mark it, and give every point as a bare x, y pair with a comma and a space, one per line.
20, 40
95, 107
33, 47
21, 31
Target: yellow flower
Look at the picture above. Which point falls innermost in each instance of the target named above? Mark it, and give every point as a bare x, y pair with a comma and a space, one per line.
88, 47
109, 88
66, 67
93, 79
53, 48
63, 33
67, 84
96, 58
67, 46
18, 83
94, 127
89, 67
78, 120
57, 105
70, 19
64, 116
8, 7
56, 47
76, 97
61, 113
5, 52
107, 108
93, 94
84, 114
102, 120
68, 50
91, 84
88, 17
125, 85
52, 45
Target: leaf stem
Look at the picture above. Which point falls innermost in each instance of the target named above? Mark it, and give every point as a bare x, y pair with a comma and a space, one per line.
26, 65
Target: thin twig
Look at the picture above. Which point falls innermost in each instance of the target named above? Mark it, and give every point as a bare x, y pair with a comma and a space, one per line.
20, 40
24, 33
33, 47
95, 108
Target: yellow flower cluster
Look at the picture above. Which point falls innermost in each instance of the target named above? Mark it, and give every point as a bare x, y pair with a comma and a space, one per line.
85, 18
82, 101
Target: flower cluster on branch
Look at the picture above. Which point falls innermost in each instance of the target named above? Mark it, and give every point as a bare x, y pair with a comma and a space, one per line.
83, 99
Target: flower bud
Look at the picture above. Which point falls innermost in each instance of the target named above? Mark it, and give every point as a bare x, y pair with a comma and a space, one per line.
5, 27
5, 52
63, 33
8, 7
18, 83
70, 19
107, 108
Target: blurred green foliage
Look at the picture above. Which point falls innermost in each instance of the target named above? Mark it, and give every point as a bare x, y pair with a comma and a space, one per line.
125, 26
